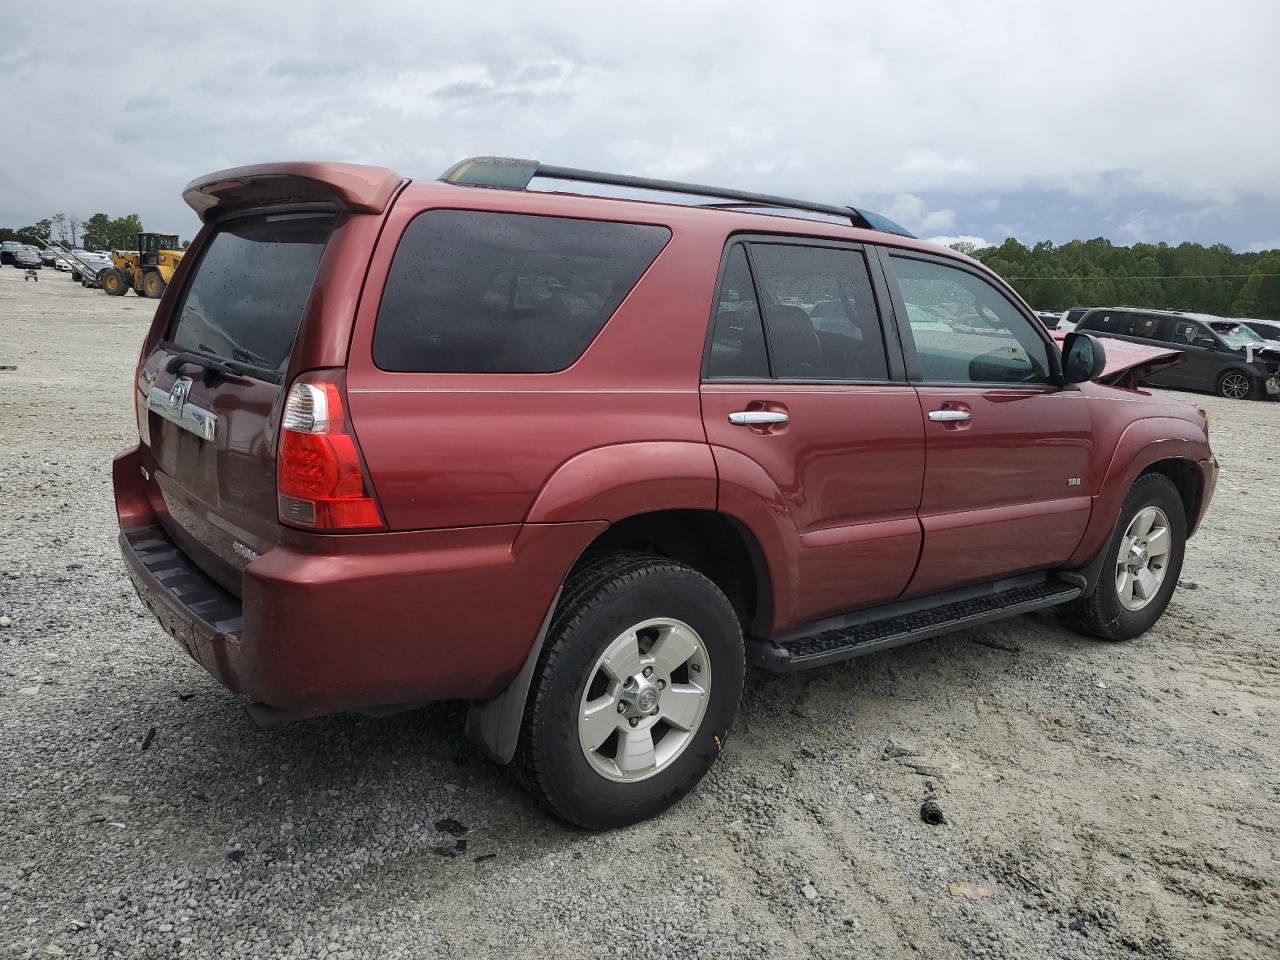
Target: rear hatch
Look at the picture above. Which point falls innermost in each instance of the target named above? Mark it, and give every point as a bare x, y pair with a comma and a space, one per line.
210, 384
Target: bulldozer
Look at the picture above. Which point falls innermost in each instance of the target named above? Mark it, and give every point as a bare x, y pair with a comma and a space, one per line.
146, 271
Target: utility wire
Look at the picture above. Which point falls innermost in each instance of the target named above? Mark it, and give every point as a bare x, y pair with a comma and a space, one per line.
1185, 276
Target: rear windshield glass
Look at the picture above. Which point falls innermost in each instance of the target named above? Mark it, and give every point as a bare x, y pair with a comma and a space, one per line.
245, 300
476, 292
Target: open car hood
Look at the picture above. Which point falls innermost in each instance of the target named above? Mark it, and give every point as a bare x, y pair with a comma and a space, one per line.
1129, 364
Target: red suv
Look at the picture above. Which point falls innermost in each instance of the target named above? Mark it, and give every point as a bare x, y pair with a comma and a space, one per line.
579, 459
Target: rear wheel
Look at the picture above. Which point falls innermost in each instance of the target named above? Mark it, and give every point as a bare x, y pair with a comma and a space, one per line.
635, 690
112, 281
153, 285
1142, 563
1237, 385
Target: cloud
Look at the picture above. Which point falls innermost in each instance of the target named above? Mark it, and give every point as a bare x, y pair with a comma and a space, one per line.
913, 213
847, 102
969, 239
1262, 246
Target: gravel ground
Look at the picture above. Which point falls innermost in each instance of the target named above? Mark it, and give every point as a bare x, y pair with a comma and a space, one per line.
1114, 800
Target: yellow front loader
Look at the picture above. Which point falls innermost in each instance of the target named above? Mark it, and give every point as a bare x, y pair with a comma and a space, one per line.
146, 271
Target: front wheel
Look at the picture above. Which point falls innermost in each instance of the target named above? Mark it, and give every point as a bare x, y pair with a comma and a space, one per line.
113, 282
634, 692
1142, 563
1237, 385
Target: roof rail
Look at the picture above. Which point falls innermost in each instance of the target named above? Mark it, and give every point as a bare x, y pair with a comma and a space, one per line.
512, 174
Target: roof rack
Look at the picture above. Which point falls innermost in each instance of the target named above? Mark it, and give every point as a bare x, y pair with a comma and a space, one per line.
512, 174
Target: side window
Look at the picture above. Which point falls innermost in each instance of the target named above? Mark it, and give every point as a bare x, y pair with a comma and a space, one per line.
819, 313
1146, 326
965, 330
737, 337
473, 292
1117, 322
1185, 332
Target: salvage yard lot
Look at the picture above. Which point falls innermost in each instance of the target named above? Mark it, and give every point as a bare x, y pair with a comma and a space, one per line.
1117, 800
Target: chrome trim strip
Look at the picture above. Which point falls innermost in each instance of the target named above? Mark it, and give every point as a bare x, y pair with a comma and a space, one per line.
172, 405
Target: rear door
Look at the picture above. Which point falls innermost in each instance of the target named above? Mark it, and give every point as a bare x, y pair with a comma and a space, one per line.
209, 391
798, 383
1006, 486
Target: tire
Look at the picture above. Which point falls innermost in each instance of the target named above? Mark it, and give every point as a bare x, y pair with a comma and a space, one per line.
1238, 385
606, 601
1106, 614
113, 282
75, 276
153, 285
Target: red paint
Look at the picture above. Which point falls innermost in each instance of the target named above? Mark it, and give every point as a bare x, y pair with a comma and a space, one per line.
998, 498
492, 486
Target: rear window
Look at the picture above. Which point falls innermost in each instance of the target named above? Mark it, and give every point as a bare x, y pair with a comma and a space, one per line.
473, 292
245, 300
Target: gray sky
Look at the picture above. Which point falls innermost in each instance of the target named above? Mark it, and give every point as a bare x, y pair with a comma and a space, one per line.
1135, 121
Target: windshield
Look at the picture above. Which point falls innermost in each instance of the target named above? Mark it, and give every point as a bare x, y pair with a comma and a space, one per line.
1237, 335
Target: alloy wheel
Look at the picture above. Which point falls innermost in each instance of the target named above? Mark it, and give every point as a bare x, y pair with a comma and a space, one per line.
644, 700
1143, 559
1234, 386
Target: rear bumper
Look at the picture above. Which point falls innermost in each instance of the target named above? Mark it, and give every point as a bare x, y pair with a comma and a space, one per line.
347, 622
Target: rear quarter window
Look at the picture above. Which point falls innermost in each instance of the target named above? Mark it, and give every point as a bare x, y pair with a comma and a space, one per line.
472, 292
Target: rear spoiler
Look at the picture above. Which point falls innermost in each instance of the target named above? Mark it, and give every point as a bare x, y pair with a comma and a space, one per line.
348, 186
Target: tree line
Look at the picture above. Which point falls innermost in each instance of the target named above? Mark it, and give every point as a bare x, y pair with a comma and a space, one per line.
98, 232
1096, 273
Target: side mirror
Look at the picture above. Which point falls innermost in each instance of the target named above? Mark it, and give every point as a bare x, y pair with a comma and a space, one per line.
1207, 342
1083, 358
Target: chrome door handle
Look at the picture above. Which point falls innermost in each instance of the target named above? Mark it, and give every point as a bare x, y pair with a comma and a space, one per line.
949, 416
757, 418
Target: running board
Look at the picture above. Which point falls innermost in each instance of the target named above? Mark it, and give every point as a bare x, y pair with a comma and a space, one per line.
880, 628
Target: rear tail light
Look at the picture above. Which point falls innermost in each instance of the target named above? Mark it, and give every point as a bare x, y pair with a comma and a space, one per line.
322, 485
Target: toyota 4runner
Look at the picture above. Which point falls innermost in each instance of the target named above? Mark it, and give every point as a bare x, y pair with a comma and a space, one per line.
580, 459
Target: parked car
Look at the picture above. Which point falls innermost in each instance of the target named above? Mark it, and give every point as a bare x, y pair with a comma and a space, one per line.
1223, 362
7, 249
1269, 329
578, 460
1067, 322
1048, 318
26, 258
96, 262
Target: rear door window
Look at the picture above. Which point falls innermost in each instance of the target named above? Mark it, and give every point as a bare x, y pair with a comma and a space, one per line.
737, 340
472, 292
819, 312
1147, 327
246, 297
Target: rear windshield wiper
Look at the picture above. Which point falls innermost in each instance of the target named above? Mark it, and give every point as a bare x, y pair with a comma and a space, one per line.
230, 368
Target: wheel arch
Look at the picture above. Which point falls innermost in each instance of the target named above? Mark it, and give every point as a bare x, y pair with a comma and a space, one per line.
1143, 445
718, 546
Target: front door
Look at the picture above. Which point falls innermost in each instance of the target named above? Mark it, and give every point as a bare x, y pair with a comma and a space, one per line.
1007, 448
810, 422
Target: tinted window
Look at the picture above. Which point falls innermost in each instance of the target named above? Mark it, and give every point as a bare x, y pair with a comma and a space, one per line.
246, 297
1185, 332
819, 313
505, 293
983, 338
1146, 326
737, 339
1111, 321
